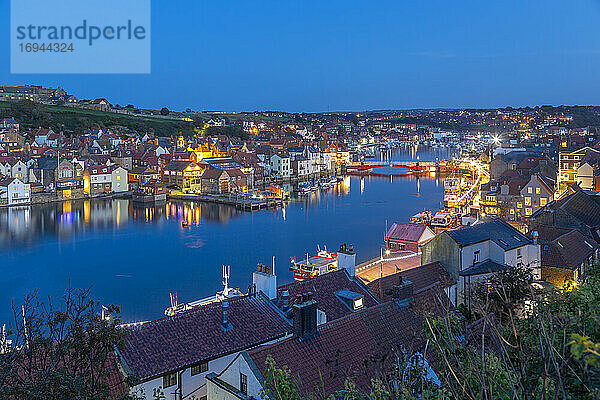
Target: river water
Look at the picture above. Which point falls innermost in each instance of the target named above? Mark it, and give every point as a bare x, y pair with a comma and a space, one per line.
135, 257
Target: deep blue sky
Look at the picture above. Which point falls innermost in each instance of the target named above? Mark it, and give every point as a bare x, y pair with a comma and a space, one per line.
349, 55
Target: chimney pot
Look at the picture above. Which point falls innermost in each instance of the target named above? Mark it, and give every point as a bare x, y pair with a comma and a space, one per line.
225, 313
285, 296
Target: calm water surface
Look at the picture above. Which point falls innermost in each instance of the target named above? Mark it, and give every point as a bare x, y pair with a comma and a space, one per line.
135, 257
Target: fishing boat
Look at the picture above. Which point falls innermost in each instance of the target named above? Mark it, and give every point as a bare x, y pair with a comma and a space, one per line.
276, 192
224, 294
324, 184
442, 219
423, 217
319, 264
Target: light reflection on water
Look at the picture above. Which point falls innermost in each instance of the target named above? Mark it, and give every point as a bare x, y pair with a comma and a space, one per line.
135, 256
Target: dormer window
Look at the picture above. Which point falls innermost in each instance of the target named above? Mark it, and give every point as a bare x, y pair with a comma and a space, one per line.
354, 301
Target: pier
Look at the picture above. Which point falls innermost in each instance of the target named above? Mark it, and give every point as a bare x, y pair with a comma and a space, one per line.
241, 201
378, 267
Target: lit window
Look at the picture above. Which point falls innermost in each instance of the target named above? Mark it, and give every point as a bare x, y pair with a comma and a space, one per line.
527, 201
169, 380
537, 190
199, 368
529, 189
519, 253
543, 201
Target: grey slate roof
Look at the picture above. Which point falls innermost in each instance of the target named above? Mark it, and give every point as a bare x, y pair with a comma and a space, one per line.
484, 267
47, 163
498, 231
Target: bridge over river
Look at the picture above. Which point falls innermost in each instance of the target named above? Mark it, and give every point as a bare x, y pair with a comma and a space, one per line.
415, 166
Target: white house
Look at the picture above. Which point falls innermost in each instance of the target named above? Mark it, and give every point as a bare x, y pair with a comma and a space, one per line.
119, 179
281, 165
14, 191
471, 254
300, 167
327, 161
314, 160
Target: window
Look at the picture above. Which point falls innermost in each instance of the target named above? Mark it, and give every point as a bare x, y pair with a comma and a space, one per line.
529, 190
537, 190
519, 205
476, 257
543, 201
528, 211
243, 383
519, 253
527, 201
199, 368
169, 380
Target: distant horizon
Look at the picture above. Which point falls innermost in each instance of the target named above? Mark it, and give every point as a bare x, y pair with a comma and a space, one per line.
125, 103
334, 56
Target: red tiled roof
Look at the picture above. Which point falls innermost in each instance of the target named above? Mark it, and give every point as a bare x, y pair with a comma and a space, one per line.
405, 232
423, 277
172, 343
357, 345
323, 288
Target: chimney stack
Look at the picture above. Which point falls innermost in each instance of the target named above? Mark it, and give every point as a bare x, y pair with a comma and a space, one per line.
403, 292
264, 280
346, 259
285, 297
225, 325
305, 316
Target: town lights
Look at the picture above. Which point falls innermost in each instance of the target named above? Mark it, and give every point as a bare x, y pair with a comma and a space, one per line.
496, 139
387, 252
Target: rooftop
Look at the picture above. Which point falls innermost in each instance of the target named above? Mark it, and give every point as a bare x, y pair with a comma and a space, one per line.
172, 343
498, 231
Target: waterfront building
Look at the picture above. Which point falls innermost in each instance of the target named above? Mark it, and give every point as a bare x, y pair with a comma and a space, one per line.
99, 179
218, 181
410, 237
281, 165
473, 253
119, 178
14, 191
69, 179
183, 175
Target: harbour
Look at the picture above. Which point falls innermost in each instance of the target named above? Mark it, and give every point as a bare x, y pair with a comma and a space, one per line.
136, 256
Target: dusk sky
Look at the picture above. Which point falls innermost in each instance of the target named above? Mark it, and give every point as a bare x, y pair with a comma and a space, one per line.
345, 55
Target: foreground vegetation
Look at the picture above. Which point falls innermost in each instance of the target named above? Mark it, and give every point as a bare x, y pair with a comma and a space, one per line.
526, 344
